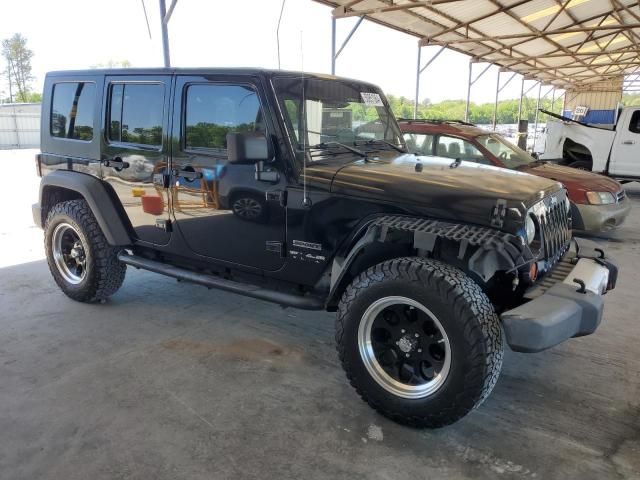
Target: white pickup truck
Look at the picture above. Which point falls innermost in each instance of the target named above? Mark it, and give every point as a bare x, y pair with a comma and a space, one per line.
612, 151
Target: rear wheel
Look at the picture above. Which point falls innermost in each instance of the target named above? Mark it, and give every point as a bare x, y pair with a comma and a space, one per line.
419, 341
83, 264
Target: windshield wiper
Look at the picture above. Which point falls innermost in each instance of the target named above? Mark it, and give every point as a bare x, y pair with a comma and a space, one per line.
327, 145
386, 142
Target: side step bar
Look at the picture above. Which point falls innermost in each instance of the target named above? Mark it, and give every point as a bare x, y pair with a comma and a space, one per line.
282, 298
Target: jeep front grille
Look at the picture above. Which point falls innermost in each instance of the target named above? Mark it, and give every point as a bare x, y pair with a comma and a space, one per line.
555, 228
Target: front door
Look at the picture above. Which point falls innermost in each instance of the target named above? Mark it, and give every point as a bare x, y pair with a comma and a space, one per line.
221, 209
625, 155
136, 151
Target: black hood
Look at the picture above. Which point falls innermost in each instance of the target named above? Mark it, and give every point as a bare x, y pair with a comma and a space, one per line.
467, 192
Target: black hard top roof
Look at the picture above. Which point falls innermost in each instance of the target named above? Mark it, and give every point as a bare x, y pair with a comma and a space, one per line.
264, 72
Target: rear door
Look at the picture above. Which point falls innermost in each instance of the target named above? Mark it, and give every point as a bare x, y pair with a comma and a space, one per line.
136, 150
221, 209
625, 154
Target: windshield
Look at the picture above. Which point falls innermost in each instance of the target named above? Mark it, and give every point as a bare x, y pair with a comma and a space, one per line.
336, 112
509, 154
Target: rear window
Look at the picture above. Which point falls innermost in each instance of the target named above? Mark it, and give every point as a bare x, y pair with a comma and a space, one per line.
135, 113
72, 110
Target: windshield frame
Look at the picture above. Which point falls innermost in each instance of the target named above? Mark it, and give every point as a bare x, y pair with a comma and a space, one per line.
506, 143
343, 158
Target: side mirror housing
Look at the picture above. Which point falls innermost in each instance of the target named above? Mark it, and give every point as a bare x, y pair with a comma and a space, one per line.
247, 147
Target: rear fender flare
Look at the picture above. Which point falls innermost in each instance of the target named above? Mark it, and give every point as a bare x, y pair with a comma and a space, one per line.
115, 228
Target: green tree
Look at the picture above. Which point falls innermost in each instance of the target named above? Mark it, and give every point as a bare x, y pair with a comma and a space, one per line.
18, 67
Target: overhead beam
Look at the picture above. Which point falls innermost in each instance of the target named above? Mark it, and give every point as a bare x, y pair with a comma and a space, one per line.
533, 36
344, 12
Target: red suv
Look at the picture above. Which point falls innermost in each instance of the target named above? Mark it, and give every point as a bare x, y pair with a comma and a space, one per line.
599, 203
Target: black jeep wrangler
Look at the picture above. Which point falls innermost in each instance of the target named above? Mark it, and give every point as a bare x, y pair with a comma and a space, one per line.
298, 189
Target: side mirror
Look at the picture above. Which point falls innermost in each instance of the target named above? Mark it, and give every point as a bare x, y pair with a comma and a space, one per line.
247, 147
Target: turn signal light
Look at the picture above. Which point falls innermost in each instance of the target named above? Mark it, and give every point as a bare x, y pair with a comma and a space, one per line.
533, 271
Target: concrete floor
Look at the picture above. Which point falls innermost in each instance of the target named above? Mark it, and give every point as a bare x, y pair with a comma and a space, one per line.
168, 381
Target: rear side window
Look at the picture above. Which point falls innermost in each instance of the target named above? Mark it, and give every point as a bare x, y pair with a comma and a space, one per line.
72, 110
212, 111
634, 125
135, 113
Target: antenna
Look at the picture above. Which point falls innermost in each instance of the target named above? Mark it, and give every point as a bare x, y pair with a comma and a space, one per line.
278, 31
306, 201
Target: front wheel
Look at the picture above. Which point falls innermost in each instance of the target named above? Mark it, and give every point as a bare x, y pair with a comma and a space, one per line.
419, 341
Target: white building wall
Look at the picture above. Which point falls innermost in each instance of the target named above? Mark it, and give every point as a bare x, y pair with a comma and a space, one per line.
19, 125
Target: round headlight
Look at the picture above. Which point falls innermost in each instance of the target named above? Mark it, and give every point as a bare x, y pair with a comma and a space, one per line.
530, 229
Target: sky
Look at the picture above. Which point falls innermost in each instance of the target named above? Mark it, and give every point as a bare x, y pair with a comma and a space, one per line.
69, 34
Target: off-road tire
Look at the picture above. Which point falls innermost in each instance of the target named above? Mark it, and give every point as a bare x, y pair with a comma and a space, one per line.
104, 272
465, 313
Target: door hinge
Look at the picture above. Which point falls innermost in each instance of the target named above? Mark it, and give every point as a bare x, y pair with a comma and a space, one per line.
279, 196
163, 224
275, 247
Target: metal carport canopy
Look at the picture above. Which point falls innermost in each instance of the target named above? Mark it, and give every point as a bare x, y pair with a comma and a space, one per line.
565, 43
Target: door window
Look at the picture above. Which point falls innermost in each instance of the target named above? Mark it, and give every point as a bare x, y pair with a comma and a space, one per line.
72, 110
213, 111
452, 147
135, 114
419, 143
634, 125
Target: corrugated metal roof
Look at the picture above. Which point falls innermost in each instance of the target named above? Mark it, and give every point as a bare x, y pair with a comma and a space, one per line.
567, 43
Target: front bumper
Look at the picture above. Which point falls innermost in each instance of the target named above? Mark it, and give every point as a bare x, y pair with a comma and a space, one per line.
600, 218
572, 307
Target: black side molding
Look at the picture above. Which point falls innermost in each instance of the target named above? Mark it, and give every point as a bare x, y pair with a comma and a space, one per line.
99, 200
282, 298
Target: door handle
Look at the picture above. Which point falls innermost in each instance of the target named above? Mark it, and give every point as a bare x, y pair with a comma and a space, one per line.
188, 173
628, 142
116, 163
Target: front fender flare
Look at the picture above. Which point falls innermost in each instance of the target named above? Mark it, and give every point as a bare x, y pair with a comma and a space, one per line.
493, 250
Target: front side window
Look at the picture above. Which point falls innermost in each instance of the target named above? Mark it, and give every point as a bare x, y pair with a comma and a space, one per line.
452, 147
323, 112
72, 110
212, 111
419, 143
634, 125
136, 112
509, 154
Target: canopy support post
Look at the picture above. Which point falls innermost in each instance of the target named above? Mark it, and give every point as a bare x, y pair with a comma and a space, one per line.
420, 70
495, 104
165, 33
535, 128
466, 107
335, 54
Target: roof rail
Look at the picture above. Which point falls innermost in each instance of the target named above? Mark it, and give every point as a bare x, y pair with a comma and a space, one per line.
436, 120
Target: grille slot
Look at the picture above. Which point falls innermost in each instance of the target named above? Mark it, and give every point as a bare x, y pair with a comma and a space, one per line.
620, 196
555, 230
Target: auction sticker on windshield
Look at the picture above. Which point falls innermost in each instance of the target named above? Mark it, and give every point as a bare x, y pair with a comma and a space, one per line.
371, 99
